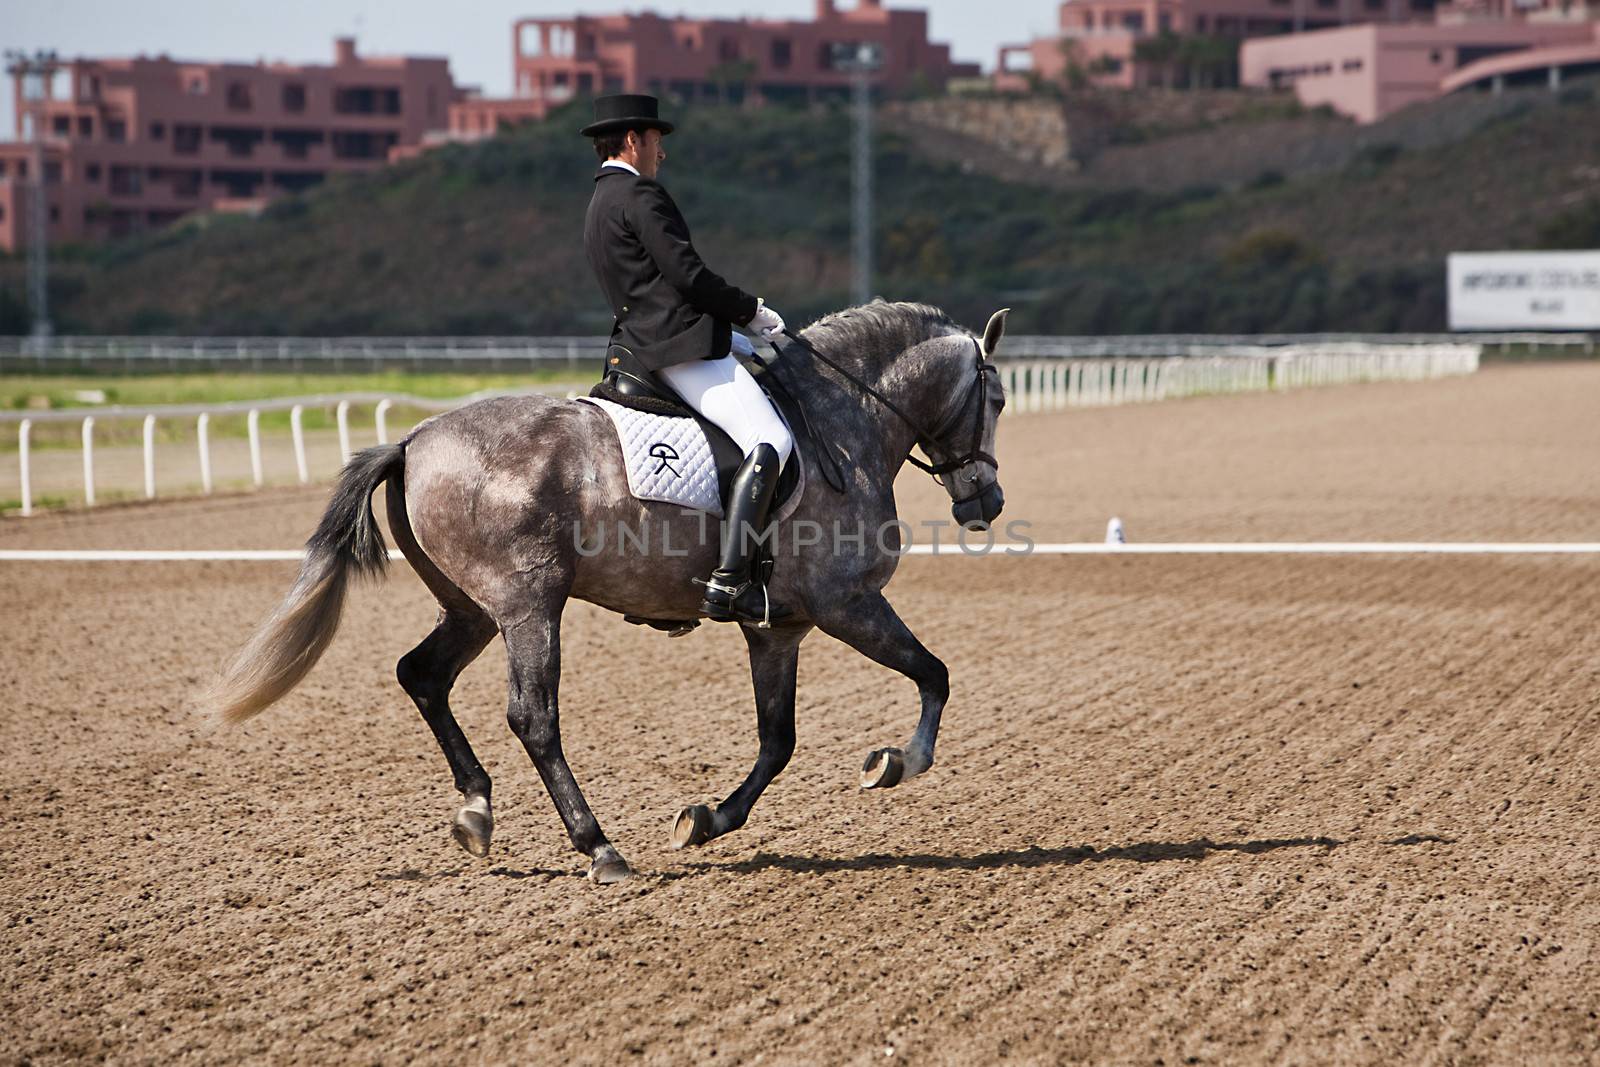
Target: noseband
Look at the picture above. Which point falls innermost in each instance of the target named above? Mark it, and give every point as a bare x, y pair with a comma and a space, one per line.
930, 441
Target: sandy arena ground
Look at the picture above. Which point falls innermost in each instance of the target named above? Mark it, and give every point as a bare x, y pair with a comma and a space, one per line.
1186, 810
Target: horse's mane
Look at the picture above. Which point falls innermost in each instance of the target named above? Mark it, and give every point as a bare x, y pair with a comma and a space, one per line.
880, 327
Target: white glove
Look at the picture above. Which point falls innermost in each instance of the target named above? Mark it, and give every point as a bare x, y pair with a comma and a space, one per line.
768, 323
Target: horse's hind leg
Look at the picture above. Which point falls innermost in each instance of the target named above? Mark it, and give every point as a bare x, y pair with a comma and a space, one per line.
427, 673
869, 625
774, 658
533, 647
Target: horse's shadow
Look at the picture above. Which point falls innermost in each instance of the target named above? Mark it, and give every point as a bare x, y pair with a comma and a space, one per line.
1033, 856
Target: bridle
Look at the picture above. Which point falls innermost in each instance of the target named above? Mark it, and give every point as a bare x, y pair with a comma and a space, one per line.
930, 441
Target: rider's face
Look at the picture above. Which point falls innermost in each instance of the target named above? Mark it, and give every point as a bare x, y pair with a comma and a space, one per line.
650, 153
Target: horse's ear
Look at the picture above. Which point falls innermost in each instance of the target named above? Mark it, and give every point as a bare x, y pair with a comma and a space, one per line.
994, 331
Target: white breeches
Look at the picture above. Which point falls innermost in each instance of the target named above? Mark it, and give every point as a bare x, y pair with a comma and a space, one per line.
724, 392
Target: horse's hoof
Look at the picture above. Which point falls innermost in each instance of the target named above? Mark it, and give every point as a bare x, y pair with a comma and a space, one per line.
692, 826
884, 768
474, 826
610, 869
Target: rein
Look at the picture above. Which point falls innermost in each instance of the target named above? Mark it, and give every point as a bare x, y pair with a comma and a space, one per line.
923, 438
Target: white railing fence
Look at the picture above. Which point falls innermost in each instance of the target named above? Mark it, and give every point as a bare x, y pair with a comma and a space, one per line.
1054, 384
1032, 385
201, 416
516, 354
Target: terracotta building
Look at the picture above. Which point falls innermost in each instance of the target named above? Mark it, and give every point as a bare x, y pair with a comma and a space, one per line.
133, 144
1370, 72
1100, 36
557, 59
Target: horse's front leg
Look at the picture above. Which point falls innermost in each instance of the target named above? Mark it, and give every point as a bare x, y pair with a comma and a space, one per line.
774, 656
869, 625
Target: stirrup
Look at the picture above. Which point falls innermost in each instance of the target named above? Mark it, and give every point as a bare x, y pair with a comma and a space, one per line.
713, 586
733, 594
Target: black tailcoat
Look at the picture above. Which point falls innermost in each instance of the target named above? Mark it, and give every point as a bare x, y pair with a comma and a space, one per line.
670, 307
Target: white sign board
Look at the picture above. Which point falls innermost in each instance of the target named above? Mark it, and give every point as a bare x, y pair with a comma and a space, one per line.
1525, 290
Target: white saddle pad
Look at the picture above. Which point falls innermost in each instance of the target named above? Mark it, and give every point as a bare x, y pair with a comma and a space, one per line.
669, 458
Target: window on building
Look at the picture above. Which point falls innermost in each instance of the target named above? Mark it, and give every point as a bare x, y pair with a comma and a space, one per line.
185, 139
294, 96
195, 85
1422, 5
530, 41
782, 53
240, 97
85, 126
238, 183
22, 168
361, 144
1352, 65
116, 130
55, 213
1164, 22
1200, 24
2, 213
241, 141
366, 100
1376, 5
727, 49
52, 172
613, 85
158, 131
61, 125
91, 172
126, 181
296, 144
585, 83
1133, 20
688, 43
1435, 56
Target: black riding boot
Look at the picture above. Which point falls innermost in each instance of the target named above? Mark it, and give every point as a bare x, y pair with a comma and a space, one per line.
730, 594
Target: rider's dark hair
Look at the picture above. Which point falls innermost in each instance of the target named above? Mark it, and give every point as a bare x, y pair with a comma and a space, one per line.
609, 145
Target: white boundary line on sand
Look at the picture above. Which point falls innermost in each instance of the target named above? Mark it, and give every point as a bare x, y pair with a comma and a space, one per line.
1084, 548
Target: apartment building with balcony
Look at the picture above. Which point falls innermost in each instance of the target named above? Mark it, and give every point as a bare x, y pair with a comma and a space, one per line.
555, 60
1370, 72
1100, 37
134, 144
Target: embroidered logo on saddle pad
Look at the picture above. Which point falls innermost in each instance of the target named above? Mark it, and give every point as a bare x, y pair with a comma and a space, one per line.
668, 458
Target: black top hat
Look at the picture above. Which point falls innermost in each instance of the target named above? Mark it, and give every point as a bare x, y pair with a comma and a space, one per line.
625, 111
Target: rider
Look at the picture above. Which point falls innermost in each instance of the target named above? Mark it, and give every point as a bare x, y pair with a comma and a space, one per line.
675, 318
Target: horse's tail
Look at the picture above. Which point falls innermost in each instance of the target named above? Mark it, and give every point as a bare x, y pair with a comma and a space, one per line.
288, 644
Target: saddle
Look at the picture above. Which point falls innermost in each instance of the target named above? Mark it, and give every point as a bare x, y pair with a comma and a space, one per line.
631, 386
625, 382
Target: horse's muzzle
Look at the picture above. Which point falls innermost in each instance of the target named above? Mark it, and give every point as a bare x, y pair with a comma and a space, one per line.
977, 512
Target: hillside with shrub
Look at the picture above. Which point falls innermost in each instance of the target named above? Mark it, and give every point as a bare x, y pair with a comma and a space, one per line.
487, 238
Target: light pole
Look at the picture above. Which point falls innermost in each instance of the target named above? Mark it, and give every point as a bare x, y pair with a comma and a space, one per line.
32, 73
862, 61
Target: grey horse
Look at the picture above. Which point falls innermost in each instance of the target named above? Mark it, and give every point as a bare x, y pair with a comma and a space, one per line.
498, 506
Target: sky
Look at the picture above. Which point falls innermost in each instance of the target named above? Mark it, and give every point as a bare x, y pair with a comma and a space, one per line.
474, 34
